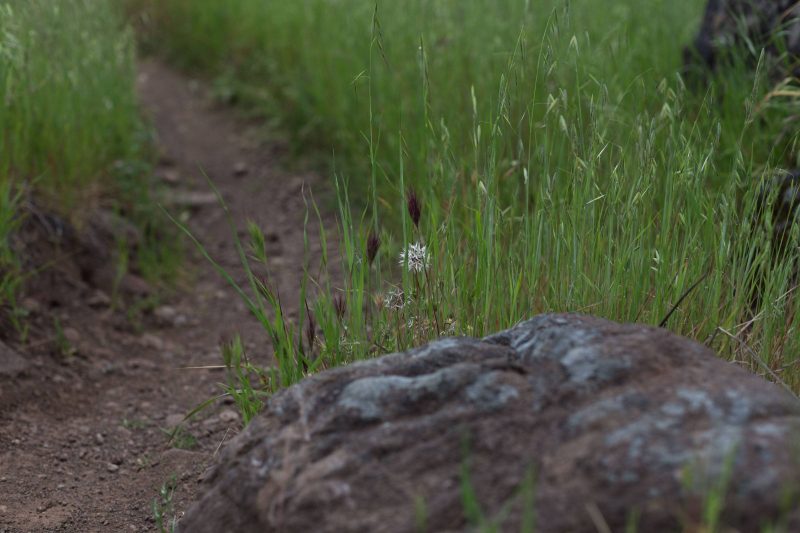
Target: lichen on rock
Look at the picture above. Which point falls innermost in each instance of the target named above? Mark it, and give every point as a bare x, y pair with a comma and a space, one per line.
620, 419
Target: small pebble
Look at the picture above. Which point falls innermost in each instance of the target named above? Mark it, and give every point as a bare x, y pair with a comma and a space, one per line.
171, 176
72, 335
99, 299
229, 416
240, 169
151, 341
144, 364
31, 305
174, 420
165, 314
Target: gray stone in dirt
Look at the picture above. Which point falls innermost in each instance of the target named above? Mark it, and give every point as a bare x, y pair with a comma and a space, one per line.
141, 363
608, 420
228, 416
170, 175
154, 342
240, 169
165, 315
135, 286
99, 299
174, 420
11, 363
190, 199
72, 335
31, 305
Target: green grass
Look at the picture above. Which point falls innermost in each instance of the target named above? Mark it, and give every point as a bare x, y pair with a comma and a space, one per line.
71, 133
70, 112
164, 514
561, 161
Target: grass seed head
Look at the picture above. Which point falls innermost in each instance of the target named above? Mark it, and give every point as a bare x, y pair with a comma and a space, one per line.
339, 306
373, 245
311, 329
414, 206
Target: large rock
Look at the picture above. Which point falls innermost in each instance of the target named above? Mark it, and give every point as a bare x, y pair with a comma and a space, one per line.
610, 420
730, 24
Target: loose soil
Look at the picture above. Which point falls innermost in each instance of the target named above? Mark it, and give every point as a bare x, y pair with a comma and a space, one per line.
82, 430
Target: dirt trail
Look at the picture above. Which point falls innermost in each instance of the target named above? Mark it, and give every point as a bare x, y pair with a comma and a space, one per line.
85, 451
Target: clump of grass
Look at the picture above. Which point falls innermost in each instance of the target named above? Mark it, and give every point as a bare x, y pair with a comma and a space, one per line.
63, 346
134, 423
67, 84
180, 438
164, 509
246, 381
561, 160
558, 163
249, 383
70, 130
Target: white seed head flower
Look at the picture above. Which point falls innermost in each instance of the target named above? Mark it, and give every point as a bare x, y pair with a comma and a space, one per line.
417, 256
394, 299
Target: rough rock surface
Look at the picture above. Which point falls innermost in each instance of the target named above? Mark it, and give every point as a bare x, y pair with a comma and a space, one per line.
610, 420
728, 24
11, 363
786, 188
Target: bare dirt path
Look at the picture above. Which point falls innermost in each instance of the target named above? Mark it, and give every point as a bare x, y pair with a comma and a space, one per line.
83, 449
